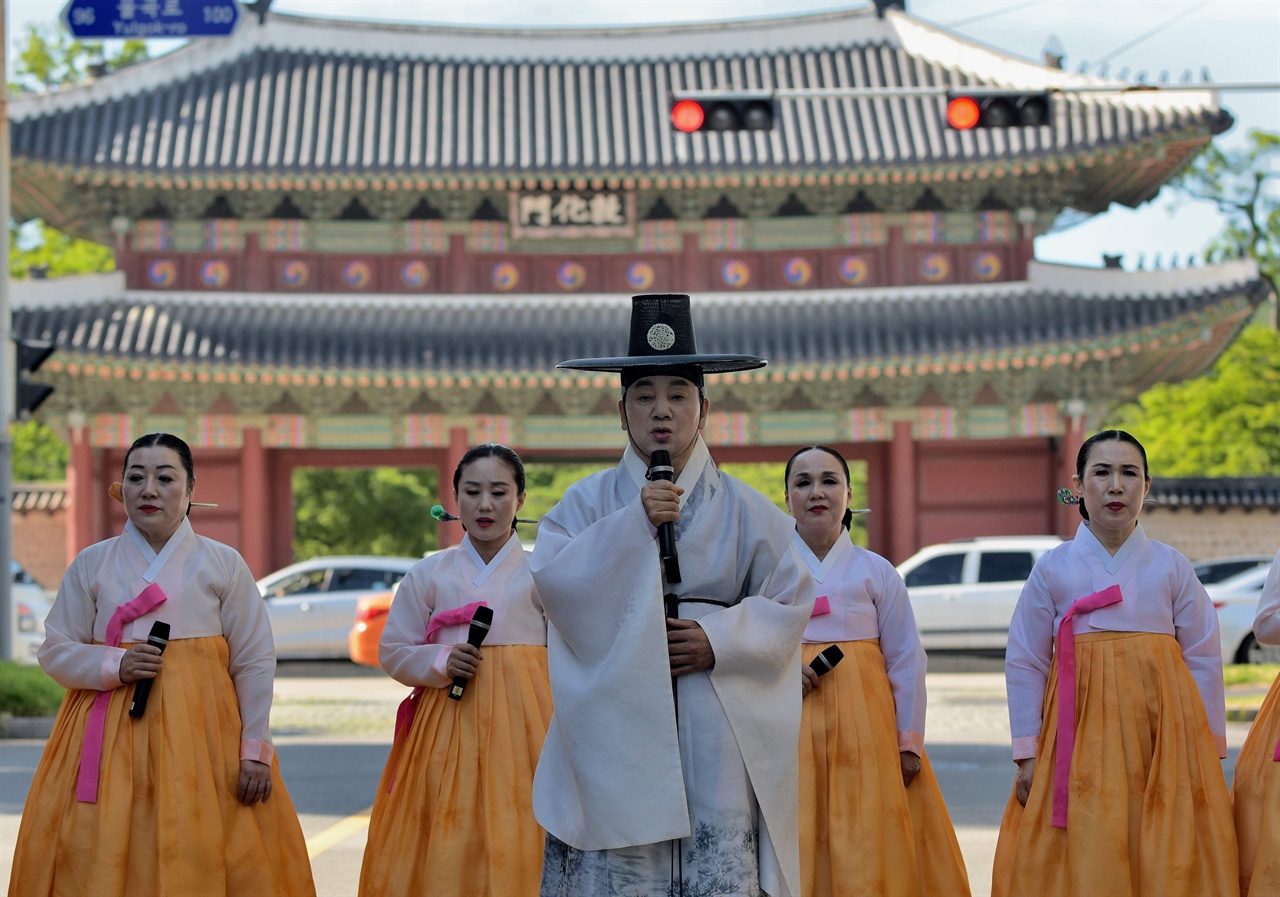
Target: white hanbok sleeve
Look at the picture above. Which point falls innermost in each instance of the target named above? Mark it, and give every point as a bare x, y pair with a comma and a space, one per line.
402, 650
252, 654
1027, 660
1266, 625
68, 653
904, 658
1195, 625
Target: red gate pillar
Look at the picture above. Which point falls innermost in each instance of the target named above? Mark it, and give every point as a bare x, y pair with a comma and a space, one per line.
903, 509
253, 503
450, 533
1068, 516
80, 471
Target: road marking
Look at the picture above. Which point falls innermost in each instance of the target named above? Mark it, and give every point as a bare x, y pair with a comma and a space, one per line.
337, 833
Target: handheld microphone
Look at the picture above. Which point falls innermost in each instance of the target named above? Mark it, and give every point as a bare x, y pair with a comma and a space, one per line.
825, 662
159, 637
481, 620
660, 469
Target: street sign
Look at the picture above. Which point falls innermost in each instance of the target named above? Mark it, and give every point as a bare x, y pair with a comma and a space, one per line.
142, 19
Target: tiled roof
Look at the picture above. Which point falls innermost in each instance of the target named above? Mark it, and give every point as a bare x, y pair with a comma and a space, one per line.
1060, 306
315, 97
47, 497
1198, 493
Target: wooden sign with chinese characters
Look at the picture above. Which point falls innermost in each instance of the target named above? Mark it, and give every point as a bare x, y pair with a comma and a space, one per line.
539, 214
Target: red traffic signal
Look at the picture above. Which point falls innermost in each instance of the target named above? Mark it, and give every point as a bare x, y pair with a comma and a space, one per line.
1006, 110
736, 112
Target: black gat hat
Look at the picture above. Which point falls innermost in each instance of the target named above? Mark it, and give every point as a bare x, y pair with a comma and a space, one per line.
662, 339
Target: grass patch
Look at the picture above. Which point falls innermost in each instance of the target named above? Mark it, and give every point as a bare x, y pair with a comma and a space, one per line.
28, 691
1250, 673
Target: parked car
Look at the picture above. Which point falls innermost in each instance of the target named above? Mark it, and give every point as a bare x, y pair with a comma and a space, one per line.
311, 603
963, 593
1218, 569
371, 619
31, 604
1236, 600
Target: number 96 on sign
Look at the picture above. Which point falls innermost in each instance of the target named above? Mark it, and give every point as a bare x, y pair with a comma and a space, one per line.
141, 19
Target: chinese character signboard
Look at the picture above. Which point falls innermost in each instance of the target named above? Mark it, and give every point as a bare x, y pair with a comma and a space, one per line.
572, 213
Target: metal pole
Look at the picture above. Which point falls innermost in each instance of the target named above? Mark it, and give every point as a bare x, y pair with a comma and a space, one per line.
8, 384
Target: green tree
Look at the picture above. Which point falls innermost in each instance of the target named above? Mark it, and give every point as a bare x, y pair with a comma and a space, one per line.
53, 59
1244, 184
1224, 423
382, 511
39, 456
35, 249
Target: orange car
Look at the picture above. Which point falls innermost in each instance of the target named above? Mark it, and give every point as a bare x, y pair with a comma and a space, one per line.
371, 617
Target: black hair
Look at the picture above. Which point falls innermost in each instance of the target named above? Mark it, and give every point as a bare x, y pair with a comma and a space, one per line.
847, 521
492, 450
169, 441
1082, 457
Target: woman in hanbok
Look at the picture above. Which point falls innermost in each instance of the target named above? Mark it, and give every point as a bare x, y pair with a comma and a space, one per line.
1256, 790
185, 798
872, 819
454, 814
1116, 706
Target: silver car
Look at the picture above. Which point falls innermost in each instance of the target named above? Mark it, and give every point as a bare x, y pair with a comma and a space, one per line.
312, 603
31, 604
963, 593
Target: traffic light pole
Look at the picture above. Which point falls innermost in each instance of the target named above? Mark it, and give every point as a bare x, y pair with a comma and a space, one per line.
8, 388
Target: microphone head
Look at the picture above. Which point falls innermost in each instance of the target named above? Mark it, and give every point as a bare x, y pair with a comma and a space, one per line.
660, 465
826, 661
483, 616
159, 635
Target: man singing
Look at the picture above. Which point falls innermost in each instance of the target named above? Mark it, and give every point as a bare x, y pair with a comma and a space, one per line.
670, 763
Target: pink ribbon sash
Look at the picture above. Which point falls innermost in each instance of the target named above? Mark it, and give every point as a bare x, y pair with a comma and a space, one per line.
1067, 696
91, 753
821, 605
408, 708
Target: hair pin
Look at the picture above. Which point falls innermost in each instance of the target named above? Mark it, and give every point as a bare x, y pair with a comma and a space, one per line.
116, 491
859, 510
1067, 497
439, 513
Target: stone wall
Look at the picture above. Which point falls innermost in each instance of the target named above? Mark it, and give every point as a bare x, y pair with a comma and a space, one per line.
1212, 533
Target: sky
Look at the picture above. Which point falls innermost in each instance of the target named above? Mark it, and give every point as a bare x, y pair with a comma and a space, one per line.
1235, 40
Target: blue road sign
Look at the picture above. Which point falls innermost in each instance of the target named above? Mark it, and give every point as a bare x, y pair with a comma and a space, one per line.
150, 18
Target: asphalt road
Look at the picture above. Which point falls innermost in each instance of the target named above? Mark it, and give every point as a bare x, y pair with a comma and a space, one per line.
332, 723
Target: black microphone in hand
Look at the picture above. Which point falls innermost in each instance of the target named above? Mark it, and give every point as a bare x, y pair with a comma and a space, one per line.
660, 469
159, 637
825, 662
481, 620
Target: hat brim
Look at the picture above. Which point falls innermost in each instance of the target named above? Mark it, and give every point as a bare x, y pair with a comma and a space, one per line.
710, 364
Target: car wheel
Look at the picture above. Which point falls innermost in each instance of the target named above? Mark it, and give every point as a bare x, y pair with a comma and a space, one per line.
1253, 651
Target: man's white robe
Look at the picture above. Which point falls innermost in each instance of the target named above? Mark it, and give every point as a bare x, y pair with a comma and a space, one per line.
610, 774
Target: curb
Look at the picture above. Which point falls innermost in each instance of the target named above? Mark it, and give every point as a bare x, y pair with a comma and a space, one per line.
26, 726
1242, 714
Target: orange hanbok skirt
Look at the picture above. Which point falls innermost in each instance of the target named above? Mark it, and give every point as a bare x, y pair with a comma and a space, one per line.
167, 821
861, 831
1148, 809
1256, 796
458, 819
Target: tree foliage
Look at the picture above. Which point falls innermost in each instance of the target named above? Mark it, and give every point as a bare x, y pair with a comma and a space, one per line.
39, 456
35, 249
1224, 423
379, 510
1244, 184
53, 59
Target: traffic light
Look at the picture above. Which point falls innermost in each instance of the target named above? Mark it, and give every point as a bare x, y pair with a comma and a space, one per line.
1004, 110
724, 112
28, 395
